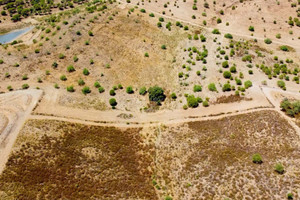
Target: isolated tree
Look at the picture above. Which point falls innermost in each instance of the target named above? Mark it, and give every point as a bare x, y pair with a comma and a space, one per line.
156, 94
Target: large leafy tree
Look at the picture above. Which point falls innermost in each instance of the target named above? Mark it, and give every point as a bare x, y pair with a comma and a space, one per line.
156, 94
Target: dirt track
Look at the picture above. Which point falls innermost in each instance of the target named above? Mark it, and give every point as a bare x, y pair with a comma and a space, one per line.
17, 108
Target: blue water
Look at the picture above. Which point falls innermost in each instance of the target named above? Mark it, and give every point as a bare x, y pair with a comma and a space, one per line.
9, 37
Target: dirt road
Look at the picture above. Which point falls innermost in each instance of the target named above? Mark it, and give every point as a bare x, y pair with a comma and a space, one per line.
16, 107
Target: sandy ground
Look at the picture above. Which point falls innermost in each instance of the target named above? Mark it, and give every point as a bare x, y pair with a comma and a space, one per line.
15, 107
49, 106
239, 19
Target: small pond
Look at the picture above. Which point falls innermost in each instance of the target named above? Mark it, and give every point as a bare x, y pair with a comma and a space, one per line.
9, 37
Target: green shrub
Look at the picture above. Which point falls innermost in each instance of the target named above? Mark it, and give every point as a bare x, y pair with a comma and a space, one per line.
202, 38
1, 61
81, 82
61, 56
129, 90
256, 158
70, 88
143, 10
290, 196
173, 96
281, 84
101, 89
228, 36
226, 87
247, 84
120, 86
206, 5
112, 93
225, 64
197, 88
54, 64
247, 58
168, 198
279, 168
25, 86
25, 77
251, 28
86, 72
284, 48
278, 36
268, 41
238, 81
63, 78
156, 94
97, 84
216, 31
151, 15
143, 91
113, 102
291, 108
192, 101
86, 90
205, 103
163, 46
212, 87
75, 58
233, 69
9, 88
37, 51
226, 74
90, 33
70, 68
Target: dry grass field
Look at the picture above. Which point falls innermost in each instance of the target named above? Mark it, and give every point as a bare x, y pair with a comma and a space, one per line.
57, 160
196, 160
134, 99
213, 159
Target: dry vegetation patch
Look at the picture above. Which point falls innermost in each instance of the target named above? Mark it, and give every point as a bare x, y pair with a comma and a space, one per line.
213, 159
230, 99
197, 160
81, 162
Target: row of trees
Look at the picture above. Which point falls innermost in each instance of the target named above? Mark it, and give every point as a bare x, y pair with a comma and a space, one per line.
18, 9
